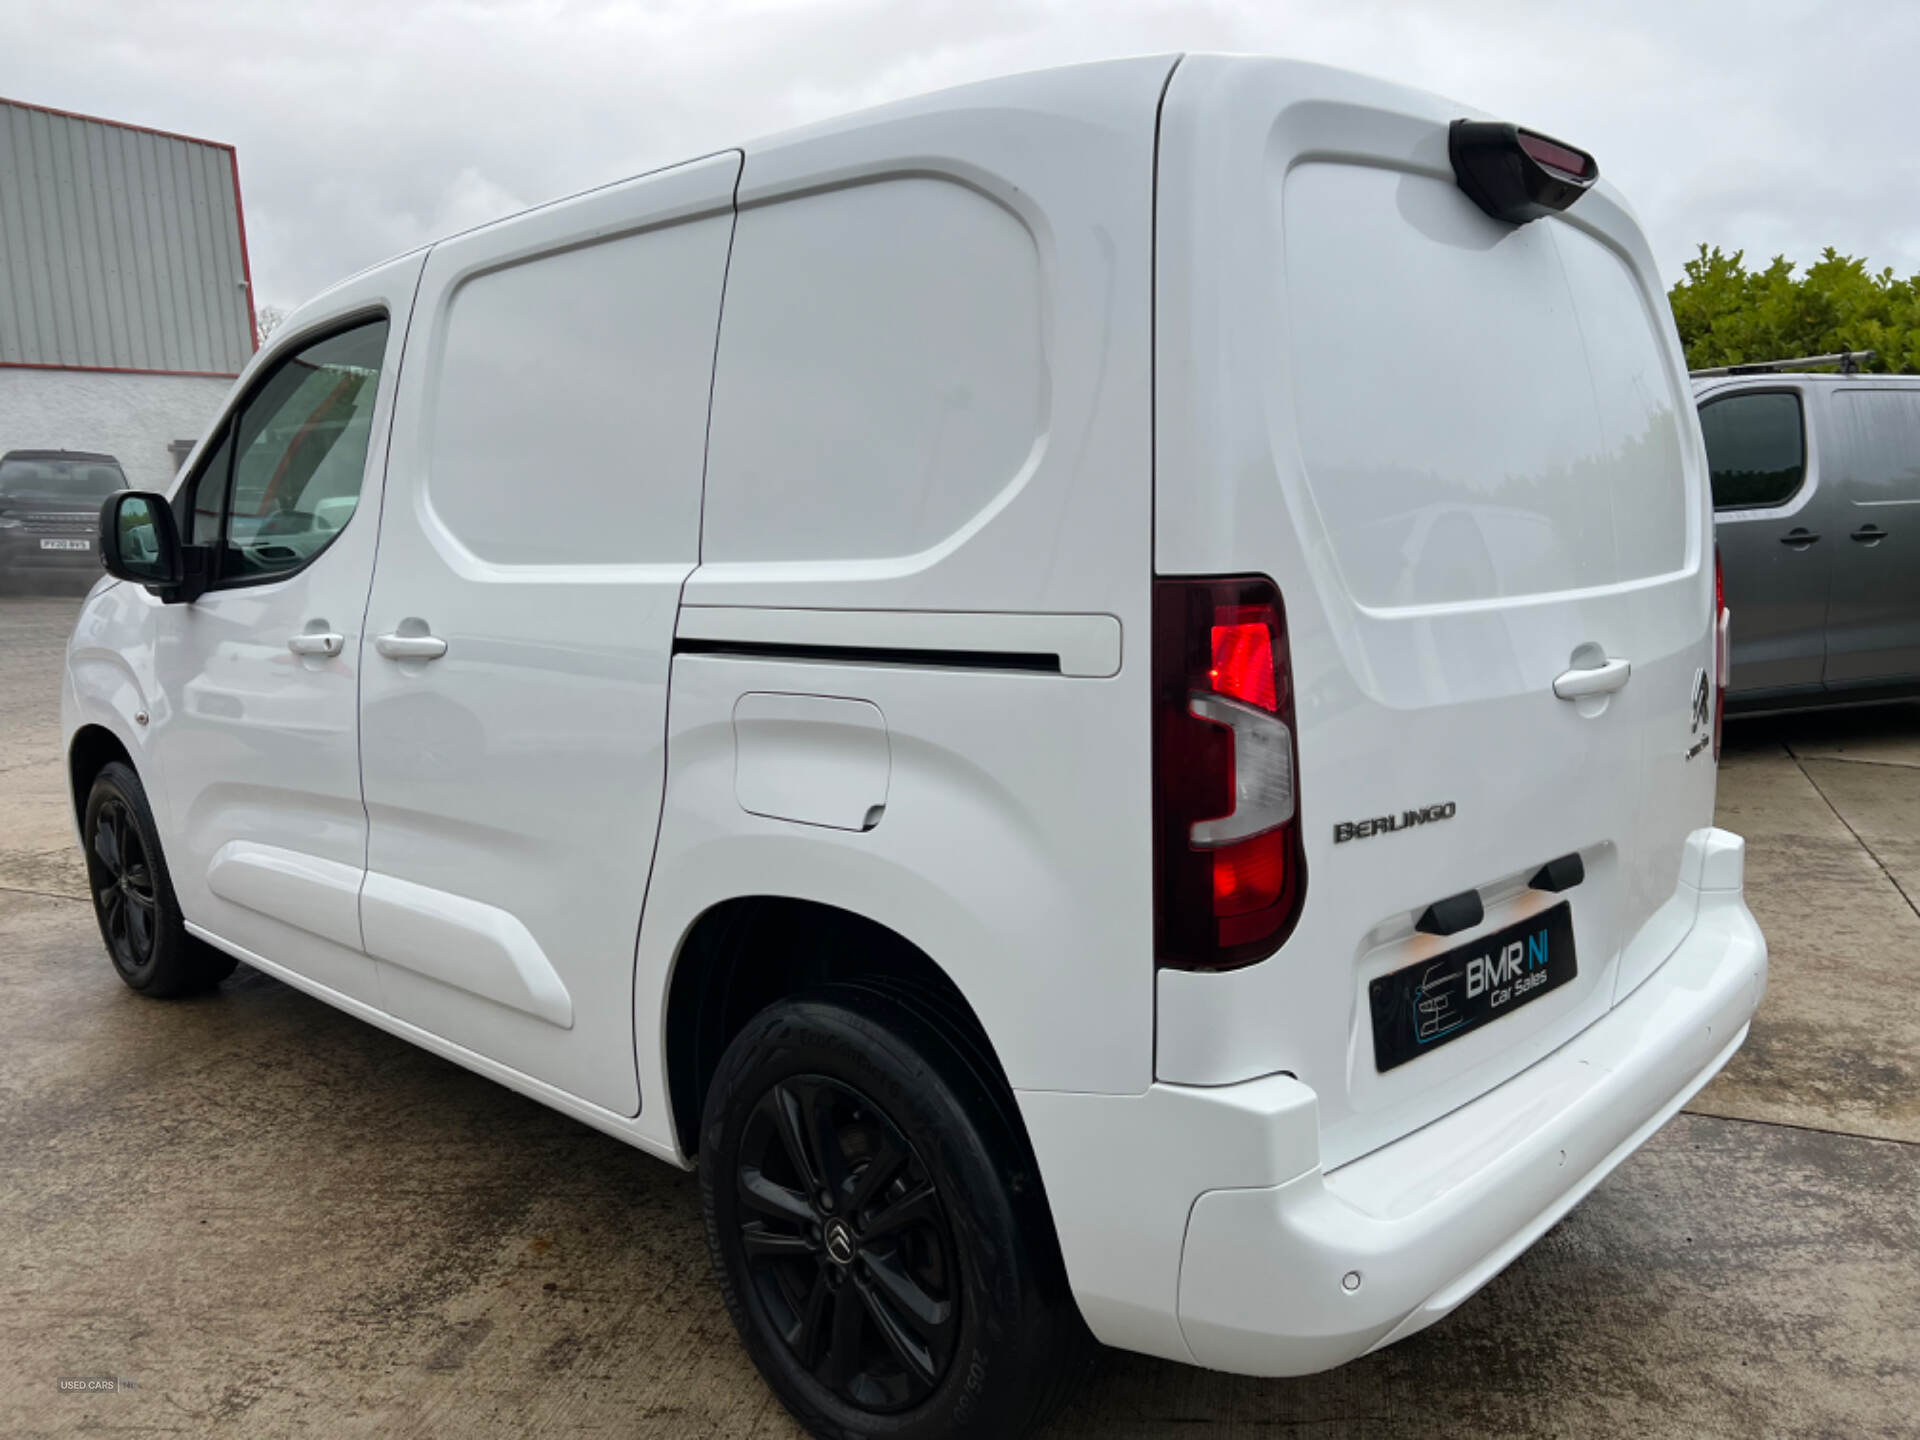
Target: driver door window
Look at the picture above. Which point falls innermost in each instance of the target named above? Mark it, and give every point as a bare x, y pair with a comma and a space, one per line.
1756, 449
286, 477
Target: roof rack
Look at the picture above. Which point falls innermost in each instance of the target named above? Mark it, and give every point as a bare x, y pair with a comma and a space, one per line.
1849, 362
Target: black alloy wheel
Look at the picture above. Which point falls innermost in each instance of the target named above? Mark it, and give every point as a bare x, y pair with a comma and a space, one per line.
133, 899
877, 1223
123, 887
847, 1243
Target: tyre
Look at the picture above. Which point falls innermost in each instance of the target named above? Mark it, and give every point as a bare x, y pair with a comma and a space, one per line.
133, 895
879, 1236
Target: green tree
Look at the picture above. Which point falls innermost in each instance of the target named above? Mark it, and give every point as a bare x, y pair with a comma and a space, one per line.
1730, 315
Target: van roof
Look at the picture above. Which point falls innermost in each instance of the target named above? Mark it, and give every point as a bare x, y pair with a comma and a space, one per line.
988, 93
1702, 385
92, 455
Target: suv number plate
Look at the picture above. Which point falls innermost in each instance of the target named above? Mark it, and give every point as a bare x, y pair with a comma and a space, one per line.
65, 544
1424, 1006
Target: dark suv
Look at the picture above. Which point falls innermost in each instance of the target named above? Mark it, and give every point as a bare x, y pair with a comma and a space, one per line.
50, 514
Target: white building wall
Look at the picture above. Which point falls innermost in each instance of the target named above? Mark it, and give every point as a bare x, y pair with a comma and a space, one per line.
131, 417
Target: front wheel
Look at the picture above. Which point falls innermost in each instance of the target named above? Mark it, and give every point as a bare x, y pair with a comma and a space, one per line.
133, 896
879, 1240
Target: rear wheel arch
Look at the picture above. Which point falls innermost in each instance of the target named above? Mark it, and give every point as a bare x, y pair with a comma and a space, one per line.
743, 954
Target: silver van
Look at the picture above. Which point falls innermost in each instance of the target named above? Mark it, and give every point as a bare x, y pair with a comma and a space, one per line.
1816, 499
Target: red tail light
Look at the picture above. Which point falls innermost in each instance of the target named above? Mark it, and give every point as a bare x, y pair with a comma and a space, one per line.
1722, 651
1229, 868
1551, 153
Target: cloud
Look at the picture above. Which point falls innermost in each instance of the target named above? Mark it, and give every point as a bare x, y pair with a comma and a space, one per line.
366, 127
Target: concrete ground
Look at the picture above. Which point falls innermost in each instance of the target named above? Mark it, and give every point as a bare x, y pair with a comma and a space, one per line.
274, 1220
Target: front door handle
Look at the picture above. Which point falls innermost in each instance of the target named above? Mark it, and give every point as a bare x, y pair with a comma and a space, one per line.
410, 647
326, 642
1868, 535
1600, 680
1799, 537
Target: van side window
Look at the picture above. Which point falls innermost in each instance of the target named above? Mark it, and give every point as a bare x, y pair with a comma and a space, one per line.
1756, 448
287, 475
1880, 434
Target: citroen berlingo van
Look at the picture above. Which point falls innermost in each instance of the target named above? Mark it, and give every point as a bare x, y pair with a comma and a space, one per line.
1097, 694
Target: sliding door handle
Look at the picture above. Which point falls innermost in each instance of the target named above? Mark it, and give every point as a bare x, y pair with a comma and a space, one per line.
1799, 537
410, 647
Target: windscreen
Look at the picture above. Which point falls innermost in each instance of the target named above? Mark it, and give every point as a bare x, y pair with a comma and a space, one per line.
80, 480
1483, 410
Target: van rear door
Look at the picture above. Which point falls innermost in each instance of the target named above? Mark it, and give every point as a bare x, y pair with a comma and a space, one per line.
1465, 452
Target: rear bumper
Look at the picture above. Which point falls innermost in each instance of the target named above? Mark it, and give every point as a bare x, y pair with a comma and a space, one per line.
1302, 1269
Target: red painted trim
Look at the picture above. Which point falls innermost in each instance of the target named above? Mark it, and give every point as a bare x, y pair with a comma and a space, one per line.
116, 124
121, 370
246, 265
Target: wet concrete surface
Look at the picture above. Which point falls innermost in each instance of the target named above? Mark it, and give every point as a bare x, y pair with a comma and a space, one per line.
1837, 1042
275, 1220
37, 849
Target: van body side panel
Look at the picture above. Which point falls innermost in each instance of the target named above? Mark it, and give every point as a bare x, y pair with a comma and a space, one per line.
259, 749
1873, 622
1465, 452
544, 514
932, 405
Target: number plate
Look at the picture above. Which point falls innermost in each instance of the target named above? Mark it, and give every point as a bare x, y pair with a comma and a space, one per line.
1427, 1005
66, 544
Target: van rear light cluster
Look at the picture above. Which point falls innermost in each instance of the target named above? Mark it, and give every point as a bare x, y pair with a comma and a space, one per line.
1722, 650
1229, 868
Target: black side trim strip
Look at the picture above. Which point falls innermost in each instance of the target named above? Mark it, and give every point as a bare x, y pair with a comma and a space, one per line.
875, 655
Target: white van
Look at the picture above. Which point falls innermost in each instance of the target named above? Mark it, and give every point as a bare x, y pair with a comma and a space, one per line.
1097, 693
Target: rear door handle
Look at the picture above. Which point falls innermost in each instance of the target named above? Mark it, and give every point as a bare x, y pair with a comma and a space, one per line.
1799, 537
410, 647
323, 643
1600, 680
1868, 534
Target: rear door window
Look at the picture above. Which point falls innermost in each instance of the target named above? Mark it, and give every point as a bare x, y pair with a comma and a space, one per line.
1756, 448
1483, 411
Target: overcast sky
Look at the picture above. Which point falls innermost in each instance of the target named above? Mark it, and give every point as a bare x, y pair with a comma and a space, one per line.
365, 127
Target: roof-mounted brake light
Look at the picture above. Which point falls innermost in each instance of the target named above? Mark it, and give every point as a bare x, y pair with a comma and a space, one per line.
1516, 175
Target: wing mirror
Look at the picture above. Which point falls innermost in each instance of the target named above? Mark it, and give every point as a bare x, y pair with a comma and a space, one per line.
139, 543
